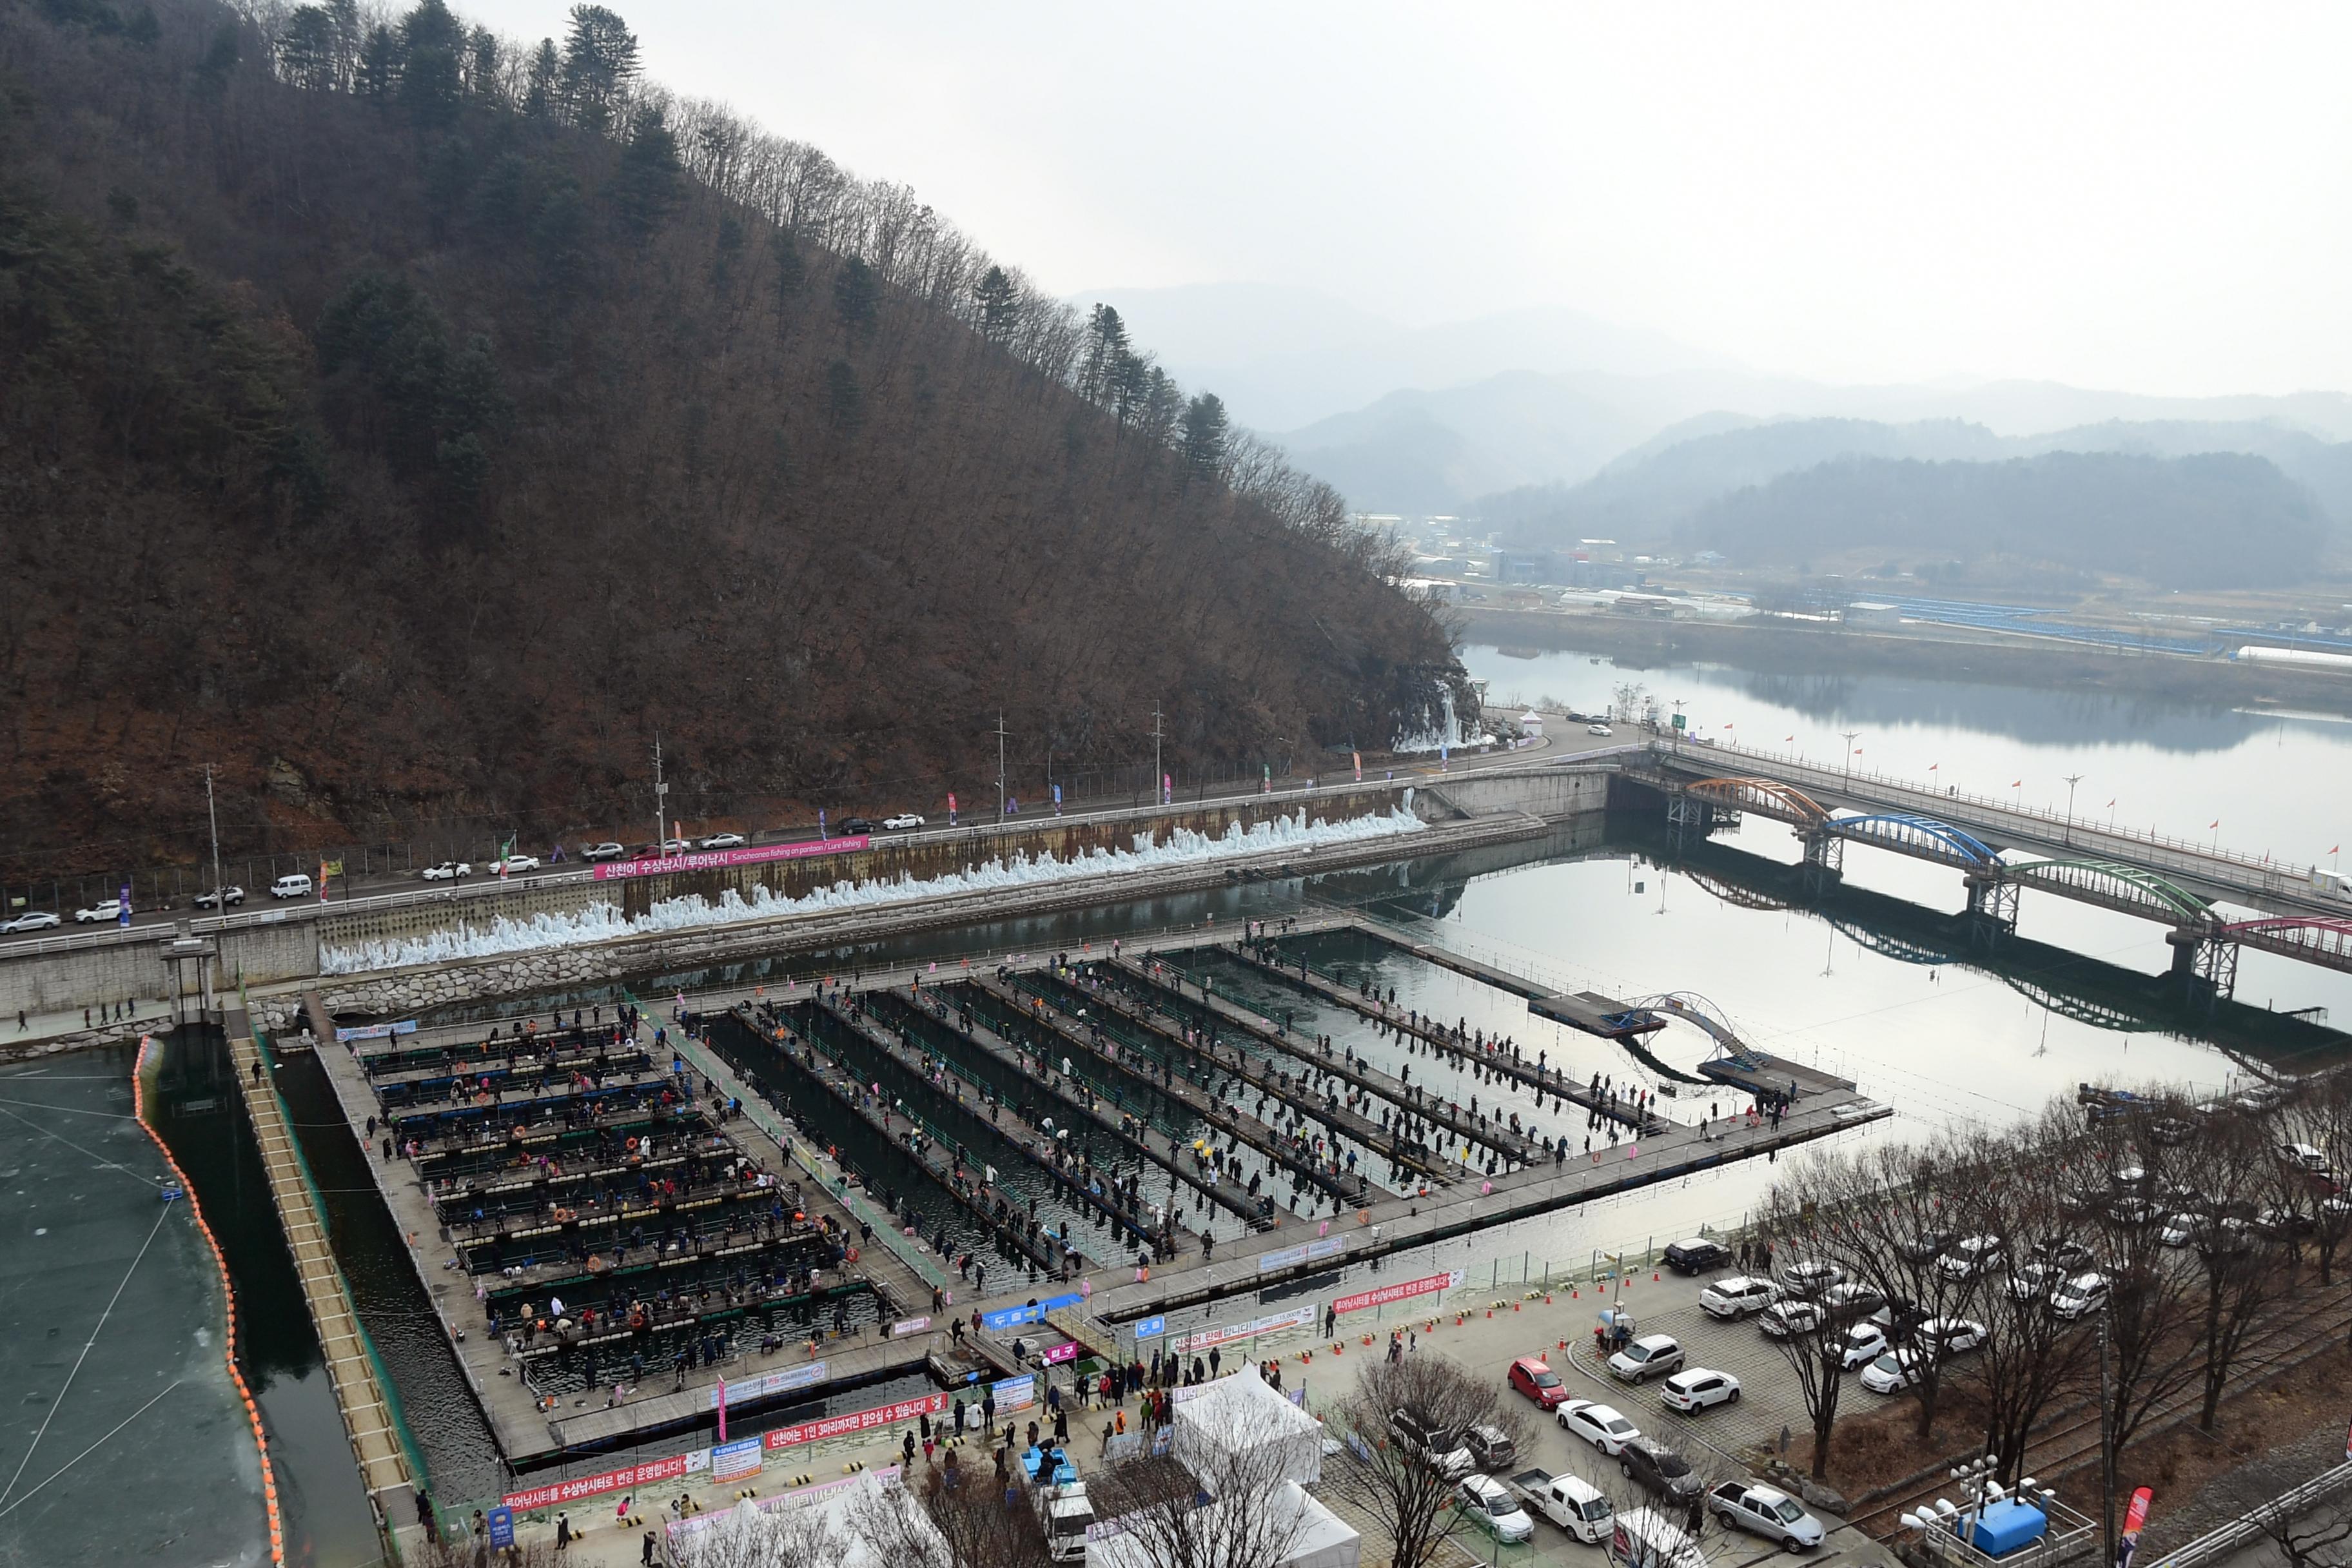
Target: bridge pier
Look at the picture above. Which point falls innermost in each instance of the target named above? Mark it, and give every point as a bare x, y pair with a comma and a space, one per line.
1824, 866
2204, 961
1993, 908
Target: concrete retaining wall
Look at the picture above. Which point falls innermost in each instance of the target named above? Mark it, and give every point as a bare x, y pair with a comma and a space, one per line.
282, 945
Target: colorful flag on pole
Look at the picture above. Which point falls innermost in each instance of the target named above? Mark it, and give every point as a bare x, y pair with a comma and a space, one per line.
1360, 765
951, 809
1167, 789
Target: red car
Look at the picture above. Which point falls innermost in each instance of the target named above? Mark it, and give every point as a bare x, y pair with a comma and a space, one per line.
1538, 1381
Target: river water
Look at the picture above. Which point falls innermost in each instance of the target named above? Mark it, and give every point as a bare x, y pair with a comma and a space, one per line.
1876, 982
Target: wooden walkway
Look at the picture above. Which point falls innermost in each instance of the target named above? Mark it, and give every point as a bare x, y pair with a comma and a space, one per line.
368, 1419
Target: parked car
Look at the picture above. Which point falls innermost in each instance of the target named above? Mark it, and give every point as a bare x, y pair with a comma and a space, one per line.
513, 863
1737, 1296
1852, 1298
1971, 1255
104, 910
1651, 1355
1767, 1511
1597, 730
675, 847
220, 898
2083, 1293
725, 841
1954, 1336
1437, 1445
1926, 1245
904, 821
446, 871
31, 920
1899, 1317
1795, 1316
1532, 1377
1598, 1424
295, 885
854, 827
608, 850
1650, 1463
1498, 1513
1491, 1448
2303, 1156
2180, 1230
1693, 1391
1810, 1275
1863, 1343
2033, 1281
1696, 1256
1893, 1372
2063, 1251
2170, 1131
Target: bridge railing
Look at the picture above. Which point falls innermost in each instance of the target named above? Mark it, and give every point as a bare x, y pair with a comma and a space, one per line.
2179, 853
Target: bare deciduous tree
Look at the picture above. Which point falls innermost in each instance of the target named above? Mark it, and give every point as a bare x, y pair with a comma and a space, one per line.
1252, 1519
1384, 1473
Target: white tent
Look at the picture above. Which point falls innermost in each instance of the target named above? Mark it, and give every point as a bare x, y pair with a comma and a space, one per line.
1244, 1413
1323, 1539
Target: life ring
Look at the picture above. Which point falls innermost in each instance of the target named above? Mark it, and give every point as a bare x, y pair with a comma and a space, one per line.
851, 1255
633, 1144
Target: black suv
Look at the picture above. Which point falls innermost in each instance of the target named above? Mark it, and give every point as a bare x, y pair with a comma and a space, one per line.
1660, 1468
1696, 1256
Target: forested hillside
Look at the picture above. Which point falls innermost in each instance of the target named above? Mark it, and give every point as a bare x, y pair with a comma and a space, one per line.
2222, 520
413, 423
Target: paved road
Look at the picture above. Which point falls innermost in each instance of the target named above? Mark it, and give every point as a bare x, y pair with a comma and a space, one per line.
409, 886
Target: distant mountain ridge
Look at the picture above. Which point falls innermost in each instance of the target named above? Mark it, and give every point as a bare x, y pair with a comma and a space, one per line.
2216, 519
1444, 450
1654, 491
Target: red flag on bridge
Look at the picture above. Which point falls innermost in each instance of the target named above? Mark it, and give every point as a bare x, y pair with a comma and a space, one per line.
2215, 823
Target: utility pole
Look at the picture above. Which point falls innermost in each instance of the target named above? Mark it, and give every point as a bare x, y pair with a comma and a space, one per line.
2107, 1446
661, 795
212, 816
1156, 774
1851, 737
2071, 780
1000, 767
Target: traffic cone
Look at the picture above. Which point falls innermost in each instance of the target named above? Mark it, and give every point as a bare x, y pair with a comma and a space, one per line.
1515, 1305
1653, 1277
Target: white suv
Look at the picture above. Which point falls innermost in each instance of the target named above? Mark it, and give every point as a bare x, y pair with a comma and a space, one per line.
1738, 1296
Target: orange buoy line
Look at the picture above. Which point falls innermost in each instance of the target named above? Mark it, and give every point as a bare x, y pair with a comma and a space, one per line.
228, 1298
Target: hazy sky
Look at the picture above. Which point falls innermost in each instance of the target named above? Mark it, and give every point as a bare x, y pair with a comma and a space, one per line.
2145, 196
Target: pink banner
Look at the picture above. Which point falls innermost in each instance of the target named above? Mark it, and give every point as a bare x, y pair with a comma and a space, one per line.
628, 1479
1060, 1354
719, 860
1386, 1293
858, 1421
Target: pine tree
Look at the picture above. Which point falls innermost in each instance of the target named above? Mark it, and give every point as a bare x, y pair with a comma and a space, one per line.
540, 89
1202, 447
379, 65
1106, 346
1000, 306
646, 185
600, 63
308, 49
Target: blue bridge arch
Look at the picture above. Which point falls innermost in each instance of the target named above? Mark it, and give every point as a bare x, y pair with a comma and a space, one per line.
1918, 835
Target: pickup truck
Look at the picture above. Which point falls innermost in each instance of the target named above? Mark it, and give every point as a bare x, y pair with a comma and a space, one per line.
1574, 1504
1767, 1511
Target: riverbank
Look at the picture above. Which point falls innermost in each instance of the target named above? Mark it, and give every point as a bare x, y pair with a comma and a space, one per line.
1789, 648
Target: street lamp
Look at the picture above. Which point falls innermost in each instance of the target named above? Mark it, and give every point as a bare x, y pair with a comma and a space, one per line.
2071, 780
1851, 737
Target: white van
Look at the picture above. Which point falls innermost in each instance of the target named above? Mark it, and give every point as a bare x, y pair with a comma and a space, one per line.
295, 885
1648, 1539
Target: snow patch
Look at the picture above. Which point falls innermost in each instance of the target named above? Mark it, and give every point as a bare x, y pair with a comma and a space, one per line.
603, 922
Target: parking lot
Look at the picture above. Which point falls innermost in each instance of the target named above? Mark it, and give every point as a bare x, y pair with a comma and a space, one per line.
1722, 1442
